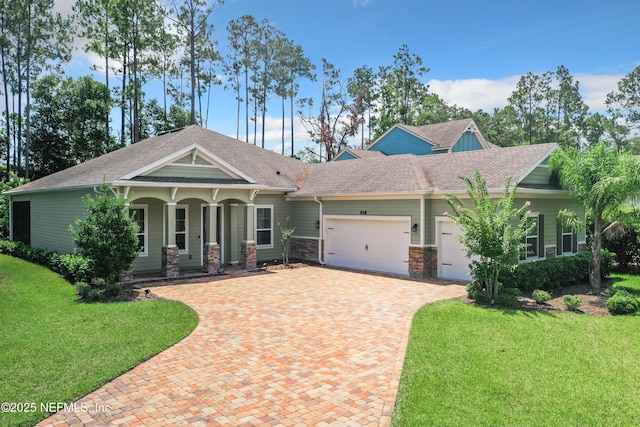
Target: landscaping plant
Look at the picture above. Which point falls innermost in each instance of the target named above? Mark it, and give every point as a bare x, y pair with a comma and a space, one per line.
572, 302
108, 235
540, 296
493, 230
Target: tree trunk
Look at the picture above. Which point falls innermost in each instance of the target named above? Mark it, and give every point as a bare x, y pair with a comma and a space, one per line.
6, 108
594, 270
291, 105
192, 48
283, 125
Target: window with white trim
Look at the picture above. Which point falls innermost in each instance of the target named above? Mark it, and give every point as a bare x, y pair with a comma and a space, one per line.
138, 214
567, 240
533, 239
264, 226
182, 228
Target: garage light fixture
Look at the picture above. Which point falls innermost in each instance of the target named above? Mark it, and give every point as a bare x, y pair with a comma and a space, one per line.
414, 227
318, 224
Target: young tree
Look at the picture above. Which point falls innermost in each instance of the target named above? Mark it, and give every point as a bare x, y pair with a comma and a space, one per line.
493, 230
108, 236
603, 179
361, 89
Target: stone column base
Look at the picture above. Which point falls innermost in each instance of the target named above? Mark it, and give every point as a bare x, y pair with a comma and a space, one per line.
170, 262
248, 256
423, 262
211, 257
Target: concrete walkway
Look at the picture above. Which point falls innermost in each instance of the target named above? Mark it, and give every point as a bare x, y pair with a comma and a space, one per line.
307, 346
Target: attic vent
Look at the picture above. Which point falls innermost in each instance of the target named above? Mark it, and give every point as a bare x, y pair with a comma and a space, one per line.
170, 131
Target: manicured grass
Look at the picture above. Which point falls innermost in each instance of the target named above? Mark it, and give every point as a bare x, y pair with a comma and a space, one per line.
627, 282
467, 365
55, 348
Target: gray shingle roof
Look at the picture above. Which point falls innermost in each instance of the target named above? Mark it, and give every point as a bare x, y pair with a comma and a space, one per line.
443, 135
372, 175
421, 174
259, 164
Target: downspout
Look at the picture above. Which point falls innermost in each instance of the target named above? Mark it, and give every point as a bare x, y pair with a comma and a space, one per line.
320, 230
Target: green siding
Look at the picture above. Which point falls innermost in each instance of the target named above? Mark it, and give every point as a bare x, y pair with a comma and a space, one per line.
547, 207
467, 142
188, 171
539, 176
152, 261
51, 215
281, 210
304, 216
377, 207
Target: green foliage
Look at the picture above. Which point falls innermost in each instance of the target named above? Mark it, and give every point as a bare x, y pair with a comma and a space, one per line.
475, 292
82, 289
507, 300
572, 302
493, 230
73, 267
108, 235
603, 179
554, 273
112, 290
623, 302
540, 296
13, 182
625, 243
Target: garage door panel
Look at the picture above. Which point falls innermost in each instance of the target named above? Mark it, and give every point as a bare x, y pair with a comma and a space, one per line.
452, 254
368, 244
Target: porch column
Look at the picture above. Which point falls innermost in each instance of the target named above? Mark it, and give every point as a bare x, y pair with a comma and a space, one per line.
170, 252
234, 239
248, 248
211, 249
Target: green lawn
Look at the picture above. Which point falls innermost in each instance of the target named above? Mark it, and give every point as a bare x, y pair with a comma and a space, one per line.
54, 348
467, 365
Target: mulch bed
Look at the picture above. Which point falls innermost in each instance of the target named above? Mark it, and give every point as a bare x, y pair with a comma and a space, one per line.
593, 301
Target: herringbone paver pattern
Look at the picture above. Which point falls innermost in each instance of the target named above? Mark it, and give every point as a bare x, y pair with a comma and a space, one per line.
308, 346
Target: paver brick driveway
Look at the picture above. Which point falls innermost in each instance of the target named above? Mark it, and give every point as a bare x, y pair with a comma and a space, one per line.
308, 346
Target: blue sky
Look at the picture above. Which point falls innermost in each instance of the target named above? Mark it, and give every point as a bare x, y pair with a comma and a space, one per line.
476, 50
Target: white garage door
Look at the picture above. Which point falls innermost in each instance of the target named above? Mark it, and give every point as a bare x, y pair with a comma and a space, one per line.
373, 243
452, 255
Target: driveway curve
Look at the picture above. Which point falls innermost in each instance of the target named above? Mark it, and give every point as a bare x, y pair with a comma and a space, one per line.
307, 346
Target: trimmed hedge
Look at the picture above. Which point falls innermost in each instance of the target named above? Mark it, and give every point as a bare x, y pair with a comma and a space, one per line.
554, 273
73, 267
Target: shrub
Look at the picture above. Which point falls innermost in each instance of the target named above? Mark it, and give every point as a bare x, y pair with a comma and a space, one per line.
572, 302
112, 290
507, 300
625, 244
554, 273
83, 289
540, 296
73, 267
475, 292
94, 295
622, 302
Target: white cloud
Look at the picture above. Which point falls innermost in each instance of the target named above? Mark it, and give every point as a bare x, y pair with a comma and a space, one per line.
487, 94
475, 94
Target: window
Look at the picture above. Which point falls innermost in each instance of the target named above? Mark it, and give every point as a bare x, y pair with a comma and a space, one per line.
534, 241
182, 228
264, 226
567, 241
139, 215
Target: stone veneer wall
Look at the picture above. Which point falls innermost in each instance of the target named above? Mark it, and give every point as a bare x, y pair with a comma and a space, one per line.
170, 262
211, 257
248, 256
423, 262
304, 249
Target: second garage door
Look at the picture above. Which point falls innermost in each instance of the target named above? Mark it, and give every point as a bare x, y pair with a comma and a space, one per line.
452, 255
371, 243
